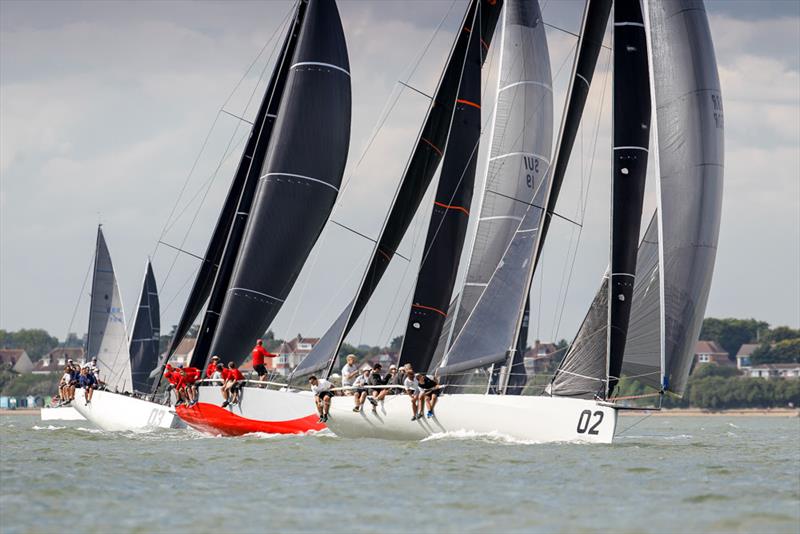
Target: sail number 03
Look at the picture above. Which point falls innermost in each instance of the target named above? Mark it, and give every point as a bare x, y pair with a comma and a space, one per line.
585, 425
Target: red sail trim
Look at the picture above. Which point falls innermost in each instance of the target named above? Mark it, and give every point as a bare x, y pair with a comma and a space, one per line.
467, 102
437, 310
447, 206
219, 421
384, 254
436, 148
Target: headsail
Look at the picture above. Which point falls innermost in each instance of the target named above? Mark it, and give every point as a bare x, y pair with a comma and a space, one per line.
690, 155
107, 339
494, 295
447, 227
298, 185
145, 336
419, 171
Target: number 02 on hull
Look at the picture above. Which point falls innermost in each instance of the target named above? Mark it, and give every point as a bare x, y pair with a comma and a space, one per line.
535, 419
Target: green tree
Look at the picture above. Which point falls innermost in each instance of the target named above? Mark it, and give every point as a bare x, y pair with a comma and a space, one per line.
782, 333
35, 341
732, 333
396, 343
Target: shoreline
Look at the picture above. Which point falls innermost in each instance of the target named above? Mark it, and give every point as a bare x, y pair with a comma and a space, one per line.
21, 411
734, 412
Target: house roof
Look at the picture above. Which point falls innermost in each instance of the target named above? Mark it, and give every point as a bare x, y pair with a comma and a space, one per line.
76, 353
11, 356
186, 346
709, 347
747, 349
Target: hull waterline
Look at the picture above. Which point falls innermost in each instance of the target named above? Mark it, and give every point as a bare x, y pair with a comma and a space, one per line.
62, 413
116, 412
525, 418
259, 410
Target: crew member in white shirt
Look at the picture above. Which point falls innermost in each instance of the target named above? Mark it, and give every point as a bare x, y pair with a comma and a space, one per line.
349, 373
323, 394
413, 391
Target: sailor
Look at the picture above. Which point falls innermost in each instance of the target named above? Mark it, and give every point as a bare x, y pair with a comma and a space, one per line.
74, 373
375, 379
323, 394
173, 378
95, 370
212, 366
412, 390
190, 377
232, 386
216, 377
361, 393
349, 373
63, 386
259, 353
429, 393
88, 382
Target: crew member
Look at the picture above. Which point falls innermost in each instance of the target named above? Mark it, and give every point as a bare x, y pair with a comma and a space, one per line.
412, 390
429, 393
349, 373
88, 382
375, 379
233, 384
361, 392
323, 394
212, 366
259, 353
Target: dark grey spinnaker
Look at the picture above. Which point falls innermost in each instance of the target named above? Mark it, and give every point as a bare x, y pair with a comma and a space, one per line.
107, 338
690, 154
255, 153
447, 227
145, 337
298, 185
225, 240
421, 166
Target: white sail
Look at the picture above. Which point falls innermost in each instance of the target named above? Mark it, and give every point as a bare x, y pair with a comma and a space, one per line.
107, 337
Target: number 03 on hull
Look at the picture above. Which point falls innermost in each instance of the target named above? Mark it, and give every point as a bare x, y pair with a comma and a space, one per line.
525, 418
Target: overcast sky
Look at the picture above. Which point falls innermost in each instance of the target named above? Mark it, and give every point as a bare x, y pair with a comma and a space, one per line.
105, 106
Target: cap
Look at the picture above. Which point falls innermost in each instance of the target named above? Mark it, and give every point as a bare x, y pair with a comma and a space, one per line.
215, 357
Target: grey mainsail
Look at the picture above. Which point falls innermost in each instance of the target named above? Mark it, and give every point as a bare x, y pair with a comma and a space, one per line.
146, 334
299, 182
521, 144
690, 155
107, 339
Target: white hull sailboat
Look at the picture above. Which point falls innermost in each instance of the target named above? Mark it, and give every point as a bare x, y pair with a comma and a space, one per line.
523, 418
118, 412
61, 413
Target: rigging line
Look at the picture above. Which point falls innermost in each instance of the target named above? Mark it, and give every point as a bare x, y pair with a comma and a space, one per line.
498, 193
226, 112
401, 82
603, 45
78, 303
634, 424
586, 198
181, 250
208, 136
389, 107
368, 238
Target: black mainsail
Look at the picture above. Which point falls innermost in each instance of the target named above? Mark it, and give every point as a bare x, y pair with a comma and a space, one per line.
631, 132
418, 174
298, 185
234, 209
143, 348
447, 227
254, 156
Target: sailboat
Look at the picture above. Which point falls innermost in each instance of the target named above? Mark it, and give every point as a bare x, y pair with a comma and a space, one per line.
283, 191
647, 314
125, 367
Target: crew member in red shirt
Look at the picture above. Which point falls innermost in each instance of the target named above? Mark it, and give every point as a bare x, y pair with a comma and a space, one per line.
232, 385
190, 377
173, 376
259, 353
212, 367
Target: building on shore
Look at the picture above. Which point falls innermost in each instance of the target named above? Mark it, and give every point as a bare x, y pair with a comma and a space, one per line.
55, 360
706, 352
542, 358
17, 360
743, 355
774, 370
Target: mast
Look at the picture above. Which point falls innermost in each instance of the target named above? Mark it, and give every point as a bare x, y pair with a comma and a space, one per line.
241, 188
447, 227
254, 157
631, 134
298, 183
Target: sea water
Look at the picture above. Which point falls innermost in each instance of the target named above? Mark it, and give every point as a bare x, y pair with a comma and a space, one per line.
662, 474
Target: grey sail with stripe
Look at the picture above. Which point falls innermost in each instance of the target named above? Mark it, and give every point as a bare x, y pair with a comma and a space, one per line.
521, 144
298, 186
146, 333
690, 151
107, 338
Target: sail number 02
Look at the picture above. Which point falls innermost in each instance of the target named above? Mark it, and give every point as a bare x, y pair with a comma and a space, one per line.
586, 419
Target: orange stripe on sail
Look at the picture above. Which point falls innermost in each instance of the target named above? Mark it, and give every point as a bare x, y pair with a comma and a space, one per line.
384, 254
437, 310
467, 102
446, 206
436, 148
486, 46
467, 30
